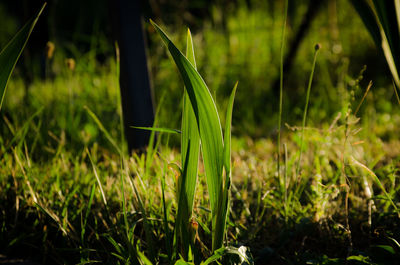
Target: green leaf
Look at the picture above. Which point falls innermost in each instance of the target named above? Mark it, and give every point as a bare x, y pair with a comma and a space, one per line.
227, 133
386, 12
387, 248
381, 18
368, 17
209, 128
395, 242
223, 210
166, 130
10, 54
361, 259
143, 259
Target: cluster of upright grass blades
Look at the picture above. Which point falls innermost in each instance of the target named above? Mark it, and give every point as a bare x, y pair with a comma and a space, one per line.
200, 124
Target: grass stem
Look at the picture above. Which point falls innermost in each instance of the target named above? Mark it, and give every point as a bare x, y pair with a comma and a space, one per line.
281, 89
317, 47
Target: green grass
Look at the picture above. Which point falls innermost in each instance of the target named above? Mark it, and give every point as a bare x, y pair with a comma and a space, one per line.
70, 195
52, 197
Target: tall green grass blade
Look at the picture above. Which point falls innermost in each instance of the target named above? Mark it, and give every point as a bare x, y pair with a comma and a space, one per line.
386, 11
190, 150
281, 90
387, 15
190, 133
11, 53
208, 124
227, 133
381, 18
368, 17
223, 210
97, 178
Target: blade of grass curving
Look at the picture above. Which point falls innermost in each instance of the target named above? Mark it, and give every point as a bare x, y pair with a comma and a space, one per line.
365, 95
208, 124
378, 182
143, 259
381, 18
165, 130
386, 12
97, 178
368, 17
103, 129
11, 53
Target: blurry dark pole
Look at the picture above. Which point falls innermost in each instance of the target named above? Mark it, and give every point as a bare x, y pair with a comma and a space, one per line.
136, 96
34, 55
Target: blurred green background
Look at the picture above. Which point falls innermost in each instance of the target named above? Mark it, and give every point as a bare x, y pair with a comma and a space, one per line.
234, 41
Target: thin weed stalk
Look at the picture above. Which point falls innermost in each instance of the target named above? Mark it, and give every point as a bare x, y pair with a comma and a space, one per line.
345, 183
97, 178
365, 95
286, 181
303, 125
281, 89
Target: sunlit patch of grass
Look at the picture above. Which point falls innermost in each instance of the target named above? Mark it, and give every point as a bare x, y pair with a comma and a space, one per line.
69, 194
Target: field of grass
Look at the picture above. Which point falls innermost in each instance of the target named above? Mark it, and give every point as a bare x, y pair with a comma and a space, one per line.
70, 193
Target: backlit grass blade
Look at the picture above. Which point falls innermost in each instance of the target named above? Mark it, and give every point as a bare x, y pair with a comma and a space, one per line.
221, 218
381, 18
10, 54
153, 129
103, 129
190, 150
386, 11
208, 124
387, 15
227, 133
368, 17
